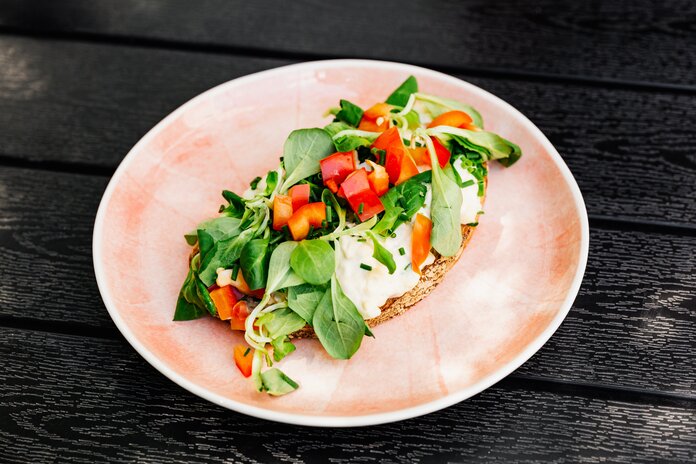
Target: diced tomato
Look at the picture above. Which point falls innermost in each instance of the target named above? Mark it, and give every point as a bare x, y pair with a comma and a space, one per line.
378, 178
453, 119
312, 214
420, 241
224, 299
364, 202
336, 167
243, 358
300, 196
442, 153
282, 210
371, 118
238, 316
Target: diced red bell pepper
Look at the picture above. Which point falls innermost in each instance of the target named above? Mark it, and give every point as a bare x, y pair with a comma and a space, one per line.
335, 168
300, 196
371, 118
364, 202
238, 316
420, 241
453, 119
224, 299
378, 178
442, 153
399, 164
282, 210
243, 358
312, 214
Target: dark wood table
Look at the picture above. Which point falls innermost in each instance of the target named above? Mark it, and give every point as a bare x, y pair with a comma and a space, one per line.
612, 85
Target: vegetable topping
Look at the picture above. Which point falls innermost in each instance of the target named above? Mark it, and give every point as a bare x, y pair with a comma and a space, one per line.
351, 217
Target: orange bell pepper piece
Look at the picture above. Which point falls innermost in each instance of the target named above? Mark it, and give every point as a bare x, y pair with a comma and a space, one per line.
453, 119
282, 210
398, 159
407, 170
243, 358
300, 196
224, 299
422, 158
420, 155
420, 241
378, 178
371, 118
312, 214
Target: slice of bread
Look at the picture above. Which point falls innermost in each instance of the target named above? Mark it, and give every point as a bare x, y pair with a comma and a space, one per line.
432, 275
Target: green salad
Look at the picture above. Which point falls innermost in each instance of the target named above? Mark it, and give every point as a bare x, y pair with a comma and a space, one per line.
350, 218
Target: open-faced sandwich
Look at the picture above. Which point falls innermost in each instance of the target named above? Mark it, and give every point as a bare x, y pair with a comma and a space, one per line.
359, 222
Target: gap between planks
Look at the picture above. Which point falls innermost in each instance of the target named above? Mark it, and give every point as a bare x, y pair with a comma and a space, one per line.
260, 52
597, 221
514, 381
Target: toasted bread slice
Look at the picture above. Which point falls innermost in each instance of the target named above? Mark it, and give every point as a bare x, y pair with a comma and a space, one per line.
432, 275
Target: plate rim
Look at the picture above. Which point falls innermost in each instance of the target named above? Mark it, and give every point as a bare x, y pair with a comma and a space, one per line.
337, 420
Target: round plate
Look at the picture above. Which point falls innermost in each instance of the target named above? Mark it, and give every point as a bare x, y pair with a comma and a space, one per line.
508, 293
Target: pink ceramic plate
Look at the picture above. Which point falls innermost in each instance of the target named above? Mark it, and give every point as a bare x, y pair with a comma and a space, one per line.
509, 292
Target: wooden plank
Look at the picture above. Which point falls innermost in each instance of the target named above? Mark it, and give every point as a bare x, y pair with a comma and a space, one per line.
88, 104
637, 306
625, 40
85, 400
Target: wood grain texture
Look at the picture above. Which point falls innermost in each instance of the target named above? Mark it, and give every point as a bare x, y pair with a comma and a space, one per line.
87, 400
89, 104
632, 324
627, 40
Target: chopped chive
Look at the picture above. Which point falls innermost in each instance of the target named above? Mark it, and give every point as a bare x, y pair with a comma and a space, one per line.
361, 207
247, 352
481, 212
328, 213
393, 235
235, 271
407, 266
255, 182
402, 251
366, 267
362, 239
467, 183
472, 224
